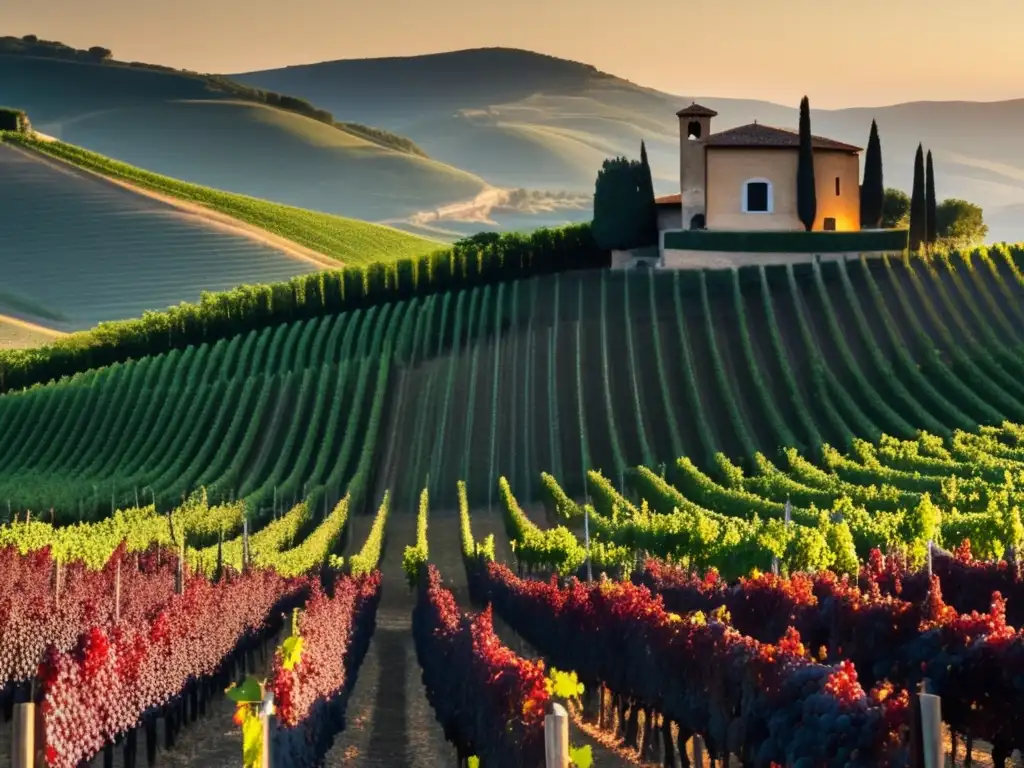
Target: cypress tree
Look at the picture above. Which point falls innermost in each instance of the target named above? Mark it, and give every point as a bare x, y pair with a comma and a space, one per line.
806, 198
646, 192
918, 206
872, 192
930, 205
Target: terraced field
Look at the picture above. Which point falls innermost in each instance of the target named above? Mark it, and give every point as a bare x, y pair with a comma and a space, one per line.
799, 419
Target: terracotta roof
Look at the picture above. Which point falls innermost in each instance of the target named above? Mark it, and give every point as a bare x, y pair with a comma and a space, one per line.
757, 135
696, 110
676, 199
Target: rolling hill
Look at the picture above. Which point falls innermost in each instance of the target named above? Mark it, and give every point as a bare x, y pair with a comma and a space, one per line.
519, 118
201, 130
80, 248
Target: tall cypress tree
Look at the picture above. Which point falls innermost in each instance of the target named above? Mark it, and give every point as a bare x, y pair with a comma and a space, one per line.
930, 205
918, 205
872, 191
650, 209
806, 197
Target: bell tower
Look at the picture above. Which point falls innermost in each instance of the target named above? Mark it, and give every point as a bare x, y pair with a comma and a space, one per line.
694, 129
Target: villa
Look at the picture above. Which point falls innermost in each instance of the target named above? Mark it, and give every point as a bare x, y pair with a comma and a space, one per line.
737, 202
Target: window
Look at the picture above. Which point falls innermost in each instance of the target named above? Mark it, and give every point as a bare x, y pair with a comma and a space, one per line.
757, 196
693, 129
837, 186
697, 221
829, 225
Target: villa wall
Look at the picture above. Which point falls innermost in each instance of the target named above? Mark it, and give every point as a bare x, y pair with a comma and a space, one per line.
729, 169
677, 259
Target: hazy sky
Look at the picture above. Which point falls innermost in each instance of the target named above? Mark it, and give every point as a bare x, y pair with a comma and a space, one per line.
871, 52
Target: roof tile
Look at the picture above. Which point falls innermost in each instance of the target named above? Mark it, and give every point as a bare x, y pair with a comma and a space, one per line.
696, 110
757, 135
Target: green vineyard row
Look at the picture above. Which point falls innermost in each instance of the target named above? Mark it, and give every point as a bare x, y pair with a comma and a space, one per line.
571, 373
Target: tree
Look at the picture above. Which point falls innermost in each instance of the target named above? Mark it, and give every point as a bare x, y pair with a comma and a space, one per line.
621, 207
646, 191
918, 209
931, 232
100, 53
872, 191
895, 209
960, 224
806, 198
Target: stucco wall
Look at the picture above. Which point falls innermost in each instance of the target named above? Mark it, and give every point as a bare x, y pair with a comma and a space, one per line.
692, 170
676, 259
729, 169
670, 217
845, 208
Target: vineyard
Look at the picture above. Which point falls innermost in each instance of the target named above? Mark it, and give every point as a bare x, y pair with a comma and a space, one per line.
790, 497
125, 253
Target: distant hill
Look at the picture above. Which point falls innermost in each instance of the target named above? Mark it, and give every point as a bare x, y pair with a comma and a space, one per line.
524, 119
210, 131
81, 249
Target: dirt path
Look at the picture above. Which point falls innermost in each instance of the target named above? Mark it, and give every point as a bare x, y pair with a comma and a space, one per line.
25, 325
210, 217
390, 722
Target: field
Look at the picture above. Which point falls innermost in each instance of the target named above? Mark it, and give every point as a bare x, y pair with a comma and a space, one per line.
859, 419
176, 123
122, 253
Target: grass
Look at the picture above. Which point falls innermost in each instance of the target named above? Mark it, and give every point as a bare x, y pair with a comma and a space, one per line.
347, 240
13, 336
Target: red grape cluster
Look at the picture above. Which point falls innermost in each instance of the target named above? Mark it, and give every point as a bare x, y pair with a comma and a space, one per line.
490, 701
101, 687
974, 660
40, 609
704, 675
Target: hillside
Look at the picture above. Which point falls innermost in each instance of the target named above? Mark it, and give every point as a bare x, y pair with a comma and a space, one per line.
824, 421
207, 132
496, 375
81, 249
524, 119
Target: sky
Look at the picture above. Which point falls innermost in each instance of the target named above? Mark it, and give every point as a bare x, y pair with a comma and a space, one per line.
869, 53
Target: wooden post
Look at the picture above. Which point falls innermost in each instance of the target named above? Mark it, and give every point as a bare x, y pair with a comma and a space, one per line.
556, 737
931, 730
267, 721
24, 752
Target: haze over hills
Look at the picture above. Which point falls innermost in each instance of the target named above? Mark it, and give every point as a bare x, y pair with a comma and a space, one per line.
519, 118
173, 123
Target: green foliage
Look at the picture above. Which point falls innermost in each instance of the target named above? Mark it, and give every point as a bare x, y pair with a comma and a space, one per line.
872, 191
625, 216
930, 205
415, 556
367, 559
14, 120
918, 204
895, 209
960, 224
383, 138
806, 195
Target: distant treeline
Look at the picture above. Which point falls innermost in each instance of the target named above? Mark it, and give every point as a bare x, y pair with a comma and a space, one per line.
481, 259
30, 45
13, 120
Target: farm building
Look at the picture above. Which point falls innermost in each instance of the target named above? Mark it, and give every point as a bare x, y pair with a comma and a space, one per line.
737, 200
